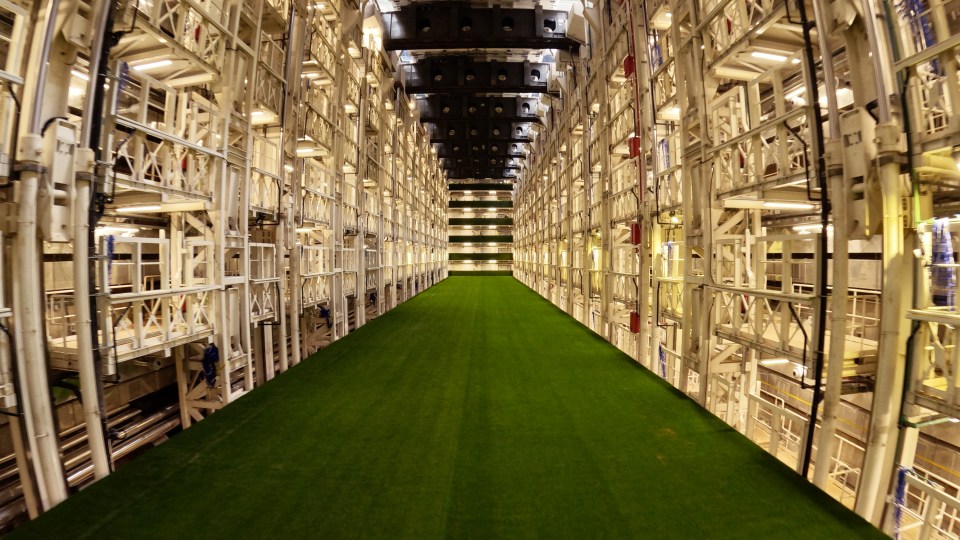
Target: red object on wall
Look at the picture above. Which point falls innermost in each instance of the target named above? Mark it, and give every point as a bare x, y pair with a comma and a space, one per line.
636, 234
634, 322
629, 66
634, 143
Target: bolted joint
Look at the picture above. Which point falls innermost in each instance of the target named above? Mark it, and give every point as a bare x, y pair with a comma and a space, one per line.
30, 149
833, 156
888, 139
85, 164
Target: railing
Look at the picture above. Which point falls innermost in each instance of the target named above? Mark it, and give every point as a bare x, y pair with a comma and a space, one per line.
927, 511
165, 139
785, 430
197, 27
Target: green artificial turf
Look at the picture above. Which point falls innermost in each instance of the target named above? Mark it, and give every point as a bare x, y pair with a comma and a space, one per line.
481, 204
481, 221
480, 272
475, 410
481, 256
481, 187
507, 238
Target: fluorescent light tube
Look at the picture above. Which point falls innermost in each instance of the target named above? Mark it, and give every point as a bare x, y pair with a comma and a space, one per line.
152, 65
142, 208
787, 205
768, 56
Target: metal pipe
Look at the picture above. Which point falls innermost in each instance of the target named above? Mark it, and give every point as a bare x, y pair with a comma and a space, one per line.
880, 65
38, 64
878, 457
838, 299
78, 476
81, 279
18, 436
294, 307
822, 248
84, 224
28, 307
281, 234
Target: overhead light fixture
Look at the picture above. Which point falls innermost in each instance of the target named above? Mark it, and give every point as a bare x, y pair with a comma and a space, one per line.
773, 205
79, 75
136, 209
152, 65
111, 230
813, 227
774, 361
768, 56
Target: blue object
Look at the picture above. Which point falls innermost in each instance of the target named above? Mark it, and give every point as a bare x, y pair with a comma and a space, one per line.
657, 56
325, 314
943, 279
664, 147
109, 255
662, 356
920, 26
899, 499
211, 356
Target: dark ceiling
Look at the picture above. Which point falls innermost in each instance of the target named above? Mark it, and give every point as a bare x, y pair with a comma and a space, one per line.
476, 89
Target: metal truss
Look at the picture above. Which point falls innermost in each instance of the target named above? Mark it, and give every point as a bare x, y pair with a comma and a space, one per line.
256, 183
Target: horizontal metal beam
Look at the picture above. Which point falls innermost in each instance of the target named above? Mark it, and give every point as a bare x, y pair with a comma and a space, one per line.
495, 132
446, 25
439, 107
450, 164
480, 173
463, 75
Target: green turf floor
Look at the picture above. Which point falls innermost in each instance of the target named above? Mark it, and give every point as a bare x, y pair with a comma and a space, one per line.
475, 410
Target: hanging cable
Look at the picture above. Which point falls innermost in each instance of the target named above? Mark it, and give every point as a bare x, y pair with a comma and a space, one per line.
823, 290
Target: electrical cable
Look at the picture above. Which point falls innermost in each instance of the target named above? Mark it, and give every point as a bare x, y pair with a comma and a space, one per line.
822, 239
